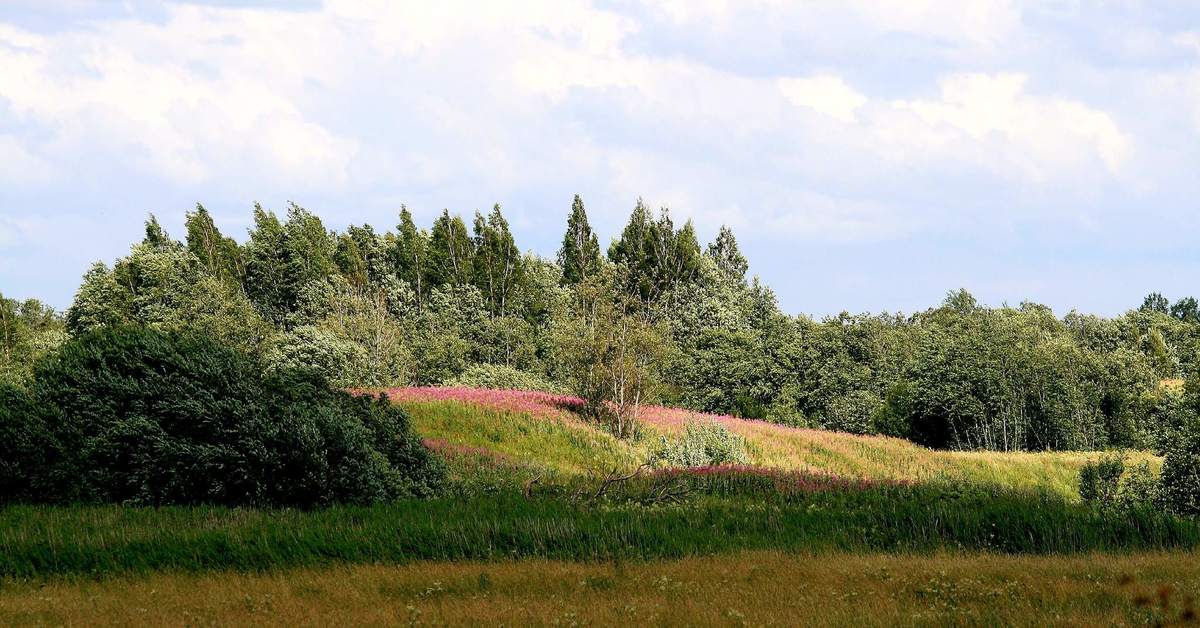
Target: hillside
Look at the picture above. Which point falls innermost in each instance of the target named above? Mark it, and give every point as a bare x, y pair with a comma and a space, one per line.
542, 433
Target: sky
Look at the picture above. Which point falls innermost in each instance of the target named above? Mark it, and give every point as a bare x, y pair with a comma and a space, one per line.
870, 155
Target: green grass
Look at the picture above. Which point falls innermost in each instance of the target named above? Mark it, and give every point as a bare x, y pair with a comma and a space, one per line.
717, 518
553, 445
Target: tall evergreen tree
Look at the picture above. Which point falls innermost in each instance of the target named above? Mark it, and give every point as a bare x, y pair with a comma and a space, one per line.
630, 251
451, 252
729, 259
497, 267
579, 255
655, 257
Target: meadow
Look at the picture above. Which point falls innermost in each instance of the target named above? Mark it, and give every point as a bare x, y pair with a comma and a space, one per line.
745, 588
830, 527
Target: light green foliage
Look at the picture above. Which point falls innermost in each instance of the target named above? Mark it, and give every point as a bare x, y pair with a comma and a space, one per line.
703, 443
611, 353
500, 377
1100, 479
28, 330
451, 253
498, 267
163, 285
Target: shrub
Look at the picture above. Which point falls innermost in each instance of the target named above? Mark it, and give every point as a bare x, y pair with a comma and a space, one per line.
498, 377
147, 417
704, 443
1100, 479
1180, 480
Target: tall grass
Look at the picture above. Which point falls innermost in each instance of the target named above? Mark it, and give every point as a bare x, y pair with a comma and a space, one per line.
41, 541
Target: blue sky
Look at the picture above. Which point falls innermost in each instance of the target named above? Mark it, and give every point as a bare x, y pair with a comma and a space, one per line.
870, 155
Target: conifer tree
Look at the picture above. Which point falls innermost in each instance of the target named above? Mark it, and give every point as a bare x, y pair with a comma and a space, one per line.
579, 255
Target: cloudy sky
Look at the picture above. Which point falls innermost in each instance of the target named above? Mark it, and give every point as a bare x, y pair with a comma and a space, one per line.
869, 154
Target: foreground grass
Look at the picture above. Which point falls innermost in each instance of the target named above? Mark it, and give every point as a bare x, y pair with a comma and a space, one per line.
749, 588
721, 514
533, 430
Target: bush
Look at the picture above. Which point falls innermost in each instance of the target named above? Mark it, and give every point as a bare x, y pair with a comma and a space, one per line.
1180, 480
704, 443
1100, 479
133, 415
498, 377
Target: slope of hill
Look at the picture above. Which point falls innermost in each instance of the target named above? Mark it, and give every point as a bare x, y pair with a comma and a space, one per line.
544, 433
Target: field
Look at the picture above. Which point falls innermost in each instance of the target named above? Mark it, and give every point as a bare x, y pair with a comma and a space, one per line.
757, 588
822, 527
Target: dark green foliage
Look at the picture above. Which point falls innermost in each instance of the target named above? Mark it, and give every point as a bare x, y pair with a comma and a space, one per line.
25, 444
133, 415
653, 255
1155, 302
1181, 472
579, 255
1100, 479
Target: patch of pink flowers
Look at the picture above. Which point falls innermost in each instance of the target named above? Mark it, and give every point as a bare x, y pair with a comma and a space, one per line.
545, 404
525, 401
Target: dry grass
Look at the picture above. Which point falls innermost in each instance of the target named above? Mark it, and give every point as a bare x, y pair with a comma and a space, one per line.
762, 588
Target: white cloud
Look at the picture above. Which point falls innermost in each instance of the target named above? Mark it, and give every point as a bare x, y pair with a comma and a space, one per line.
1041, 136
829, 95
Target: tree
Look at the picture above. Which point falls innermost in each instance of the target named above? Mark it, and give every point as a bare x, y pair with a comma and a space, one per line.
579, 255
451, 252
1155, 302
729, 259
612, 354
409, 254
497, 266
655, 257
133, 415
1186, 310
219, 256
266, 266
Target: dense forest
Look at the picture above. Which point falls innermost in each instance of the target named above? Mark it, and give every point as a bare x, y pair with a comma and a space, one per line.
656, 318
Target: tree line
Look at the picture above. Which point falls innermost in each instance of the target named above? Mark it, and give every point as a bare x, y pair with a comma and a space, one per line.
655, 318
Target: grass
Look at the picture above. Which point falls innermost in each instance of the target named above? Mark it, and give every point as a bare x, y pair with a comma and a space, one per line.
749, 588
723, 512
540, 432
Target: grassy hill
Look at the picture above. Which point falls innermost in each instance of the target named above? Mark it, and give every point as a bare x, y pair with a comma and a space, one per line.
543, 435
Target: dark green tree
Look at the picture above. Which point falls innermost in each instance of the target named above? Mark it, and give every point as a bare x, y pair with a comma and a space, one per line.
579, 255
